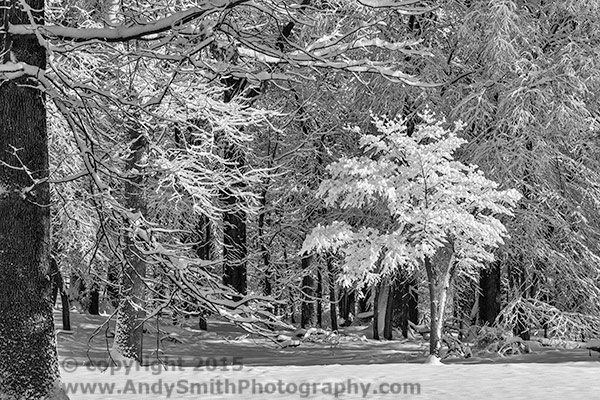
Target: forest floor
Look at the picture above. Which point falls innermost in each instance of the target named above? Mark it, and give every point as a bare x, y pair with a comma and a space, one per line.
226, 363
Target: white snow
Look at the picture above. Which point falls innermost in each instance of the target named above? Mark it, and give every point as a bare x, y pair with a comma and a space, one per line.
216, 365
497, 381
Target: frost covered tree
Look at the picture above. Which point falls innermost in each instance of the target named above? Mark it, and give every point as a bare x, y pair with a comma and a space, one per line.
28, 359
441, 215
154, 63
526, 78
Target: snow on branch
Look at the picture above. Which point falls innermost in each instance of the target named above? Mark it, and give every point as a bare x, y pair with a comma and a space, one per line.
126, 33
396, 4
432, 199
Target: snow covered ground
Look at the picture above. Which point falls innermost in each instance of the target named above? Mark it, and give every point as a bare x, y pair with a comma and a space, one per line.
223, 364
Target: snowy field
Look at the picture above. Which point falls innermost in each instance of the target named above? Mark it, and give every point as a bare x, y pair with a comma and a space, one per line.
224, 364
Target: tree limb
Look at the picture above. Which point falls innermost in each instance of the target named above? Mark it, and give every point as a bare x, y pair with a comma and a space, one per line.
124, 33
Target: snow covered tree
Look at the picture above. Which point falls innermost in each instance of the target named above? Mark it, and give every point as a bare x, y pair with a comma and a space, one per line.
160, 70
28, 358
440, 214
524, 78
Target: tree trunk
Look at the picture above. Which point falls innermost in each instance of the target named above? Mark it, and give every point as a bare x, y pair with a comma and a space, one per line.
438, 284
130, 314
267, 288
347, 306
490, 296
65, 311
364, 301
380, 309
94, 300
28, 358
388, 328
113, 283
56, 278
319, 299
332, 295
308, 282
234, 218
292, 299
376, 312
58, 286
406, 302
204, 252
234, 247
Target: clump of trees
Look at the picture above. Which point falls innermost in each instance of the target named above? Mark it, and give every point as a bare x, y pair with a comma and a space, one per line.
173, 158
436, 213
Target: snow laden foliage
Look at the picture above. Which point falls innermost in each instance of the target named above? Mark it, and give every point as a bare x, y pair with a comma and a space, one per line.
441, 214
527, 84
431, 201
151, 100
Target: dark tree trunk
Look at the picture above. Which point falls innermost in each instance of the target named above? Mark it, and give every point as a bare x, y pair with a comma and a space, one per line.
364, 301
388, 328
57, 280
267, 288
292, 305
113, 278
204, 251
412, 303
347, 306
28, 358
58, 286
292, 298
376, 313
490, 296
380, 309
406, 302
332, 294
65, 311
130, 314
234, 218
94, 300
204, 247
234, 250
308, 308
319, 299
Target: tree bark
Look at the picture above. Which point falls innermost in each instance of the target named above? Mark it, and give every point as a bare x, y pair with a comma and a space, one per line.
308, 282
364, 300
380, 309
264, 252
113, 282
130, 315
234, 246
204, 251
58, 287
93, 300
388, 328
406, 302
28, 358
490, 296
319, 299
234, 218
376, 313
439, 279
332, 294
347, 306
